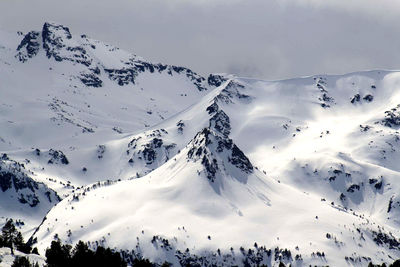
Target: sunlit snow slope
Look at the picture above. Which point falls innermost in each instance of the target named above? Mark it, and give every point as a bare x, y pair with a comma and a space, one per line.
160, 162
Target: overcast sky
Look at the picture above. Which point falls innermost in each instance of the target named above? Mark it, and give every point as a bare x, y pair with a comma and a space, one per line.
259, 38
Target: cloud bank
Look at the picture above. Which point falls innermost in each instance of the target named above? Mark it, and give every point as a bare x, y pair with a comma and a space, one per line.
265, 39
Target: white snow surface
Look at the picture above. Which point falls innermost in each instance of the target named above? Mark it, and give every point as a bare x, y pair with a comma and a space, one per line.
7, 258
317, 169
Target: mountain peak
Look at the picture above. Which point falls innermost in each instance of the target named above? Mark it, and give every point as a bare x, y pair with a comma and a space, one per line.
218, 153
58, 44
29, 46
55, 30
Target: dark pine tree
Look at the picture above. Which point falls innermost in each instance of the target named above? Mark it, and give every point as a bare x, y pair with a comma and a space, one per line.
21, 262
105, 257
58, 255
82, 255
12, 238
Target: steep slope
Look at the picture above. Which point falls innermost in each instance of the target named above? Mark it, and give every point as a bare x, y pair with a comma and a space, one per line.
335, 136
21, 197
78, 91
210, 196
65, 96
310, 141
78, 87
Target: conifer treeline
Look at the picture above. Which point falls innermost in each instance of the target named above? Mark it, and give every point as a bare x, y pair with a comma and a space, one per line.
58, 255
63, 255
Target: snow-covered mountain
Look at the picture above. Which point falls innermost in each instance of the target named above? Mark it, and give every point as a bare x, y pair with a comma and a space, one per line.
160, 162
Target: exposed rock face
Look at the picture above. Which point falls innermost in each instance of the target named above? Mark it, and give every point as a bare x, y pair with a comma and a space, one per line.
122, 76
392, 117
58, 44
212, 108
325, 98
239, 159
368, 98
212, 145
232, 91
128, 74
150, 150
220, 122
15, 181
216, 80
29, 46
200, 151
90, 79
356, 98
181, 126
215, 152
57, 157
214, 148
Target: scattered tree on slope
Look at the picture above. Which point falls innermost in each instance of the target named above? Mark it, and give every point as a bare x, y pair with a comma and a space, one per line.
10, 237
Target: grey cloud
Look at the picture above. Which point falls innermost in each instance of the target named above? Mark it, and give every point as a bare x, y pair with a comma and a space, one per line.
265, 39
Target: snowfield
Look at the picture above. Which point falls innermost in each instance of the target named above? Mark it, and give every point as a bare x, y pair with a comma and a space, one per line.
100, 145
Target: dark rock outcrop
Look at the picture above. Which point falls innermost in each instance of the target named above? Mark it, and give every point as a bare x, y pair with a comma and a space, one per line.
59, 44
57, 156
29, 46
150, 148
215, 151
56, 42
216, 80
13, 179
221, 123
392, 117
